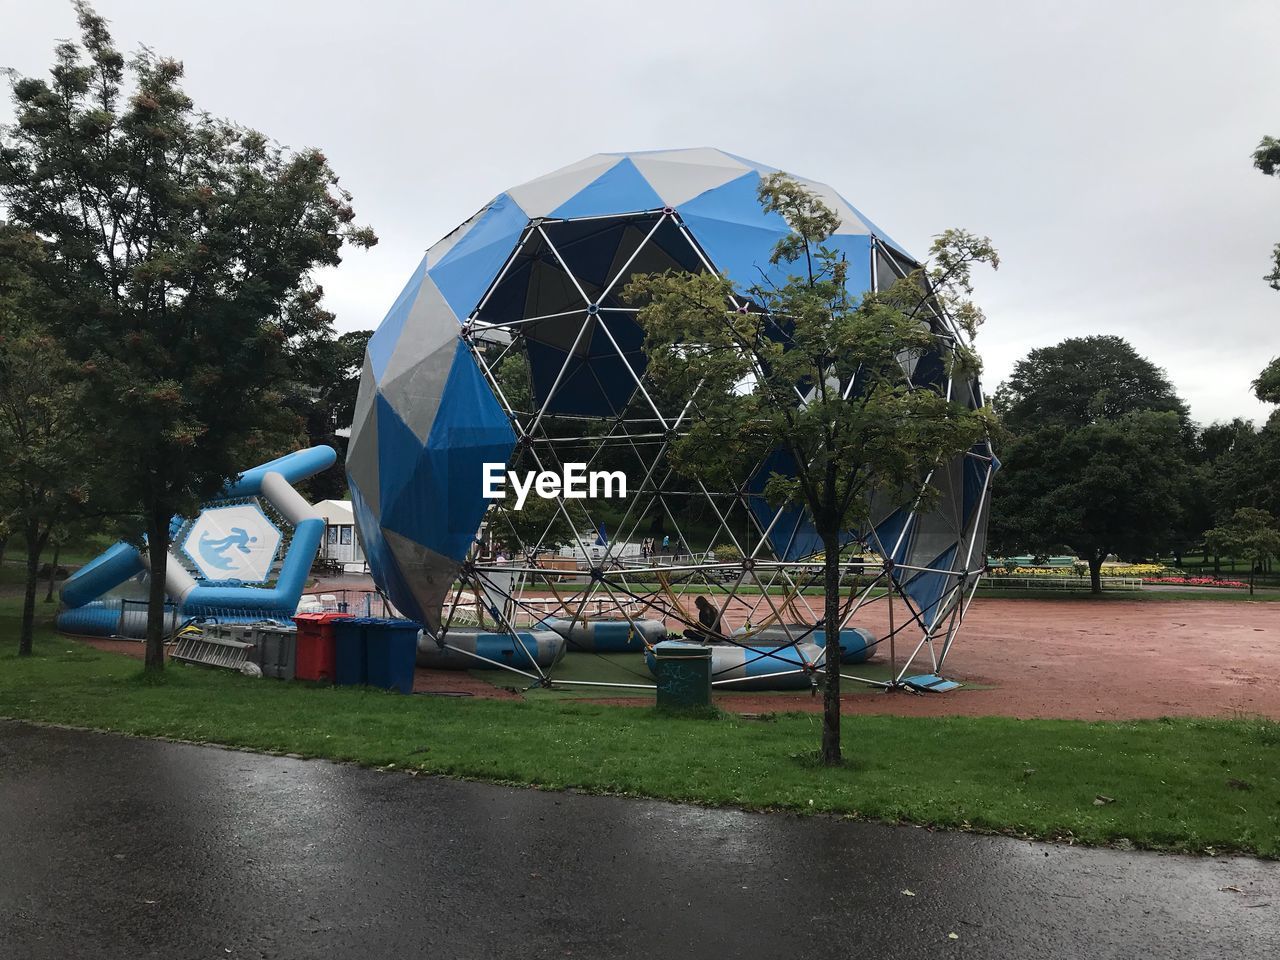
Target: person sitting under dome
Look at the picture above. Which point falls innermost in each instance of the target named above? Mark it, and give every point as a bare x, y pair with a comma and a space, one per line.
708, 623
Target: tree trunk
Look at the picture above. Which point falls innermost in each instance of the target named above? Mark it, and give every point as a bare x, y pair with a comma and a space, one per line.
1095, 573
4, 542
35, 546
1251, 572
831, 621
53, 572
158, 558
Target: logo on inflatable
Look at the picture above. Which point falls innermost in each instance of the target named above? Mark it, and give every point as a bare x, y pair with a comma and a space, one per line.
233, 543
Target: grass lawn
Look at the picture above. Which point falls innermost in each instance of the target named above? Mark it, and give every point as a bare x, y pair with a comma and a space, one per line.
1179, 784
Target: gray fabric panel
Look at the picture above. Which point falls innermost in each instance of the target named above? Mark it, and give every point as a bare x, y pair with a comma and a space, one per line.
428, 575
678, 176
437, 251
550, 291
364, 397
429, 326
415, 394
539, 197
931, 537
561, 332
651, 259
886, 275
850, 222
362, 455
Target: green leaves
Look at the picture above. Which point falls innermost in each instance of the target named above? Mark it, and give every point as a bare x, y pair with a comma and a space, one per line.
1114, 486
1267, 159
1249, 534
1267, 387
1084, 380
178, 259
805, 369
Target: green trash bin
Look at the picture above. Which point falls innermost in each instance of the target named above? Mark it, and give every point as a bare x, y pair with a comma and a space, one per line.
683, 670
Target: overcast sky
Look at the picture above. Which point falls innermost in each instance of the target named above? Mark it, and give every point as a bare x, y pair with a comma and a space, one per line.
1103, 146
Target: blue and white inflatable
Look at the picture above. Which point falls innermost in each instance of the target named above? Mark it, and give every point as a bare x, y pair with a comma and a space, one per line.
225, 557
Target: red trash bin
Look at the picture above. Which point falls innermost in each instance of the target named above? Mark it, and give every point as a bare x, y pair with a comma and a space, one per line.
316, 659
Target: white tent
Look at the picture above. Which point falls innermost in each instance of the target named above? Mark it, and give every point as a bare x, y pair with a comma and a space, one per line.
340, 541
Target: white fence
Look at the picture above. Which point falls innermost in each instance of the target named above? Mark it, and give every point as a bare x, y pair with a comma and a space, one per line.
1063, 584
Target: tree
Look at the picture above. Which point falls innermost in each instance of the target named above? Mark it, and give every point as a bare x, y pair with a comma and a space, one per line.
859, 426
1250, 534
1084, 380
1267, 159
1267, 386
1110, 487
179, 251
1098, 457
45, 461
324, 380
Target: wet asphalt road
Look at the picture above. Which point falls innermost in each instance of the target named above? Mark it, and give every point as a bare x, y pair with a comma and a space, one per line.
119, 848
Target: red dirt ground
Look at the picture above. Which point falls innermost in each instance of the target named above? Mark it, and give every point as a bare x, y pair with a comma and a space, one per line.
1073, 659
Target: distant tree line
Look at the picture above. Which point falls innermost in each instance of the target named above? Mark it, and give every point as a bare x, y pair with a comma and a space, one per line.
1101, 457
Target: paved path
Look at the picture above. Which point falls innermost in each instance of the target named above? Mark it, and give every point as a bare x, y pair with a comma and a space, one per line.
119, 848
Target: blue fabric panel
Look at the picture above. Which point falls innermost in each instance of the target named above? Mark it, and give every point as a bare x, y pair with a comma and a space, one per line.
887, 533
441, 505
602, 387
466, 271
734, 232
975, 473
382, 564
793, 536
931, 682
739, 237
857, 252
926, 589
399, 453
620, 189
383, 342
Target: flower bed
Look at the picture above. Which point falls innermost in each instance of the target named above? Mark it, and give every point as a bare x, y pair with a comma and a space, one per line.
1082, 570
1197, 582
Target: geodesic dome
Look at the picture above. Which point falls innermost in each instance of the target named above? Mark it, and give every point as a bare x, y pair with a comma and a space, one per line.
538, 274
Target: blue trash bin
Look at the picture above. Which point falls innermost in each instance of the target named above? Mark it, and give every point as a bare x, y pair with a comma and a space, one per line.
349, 652
391, 653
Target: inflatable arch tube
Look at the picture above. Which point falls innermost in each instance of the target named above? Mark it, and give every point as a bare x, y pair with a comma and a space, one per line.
109, 618
760, 668
273, 481
545, 647
856, 644
608, 636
